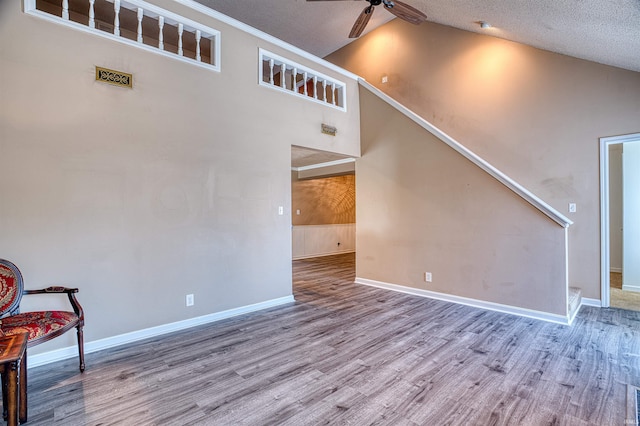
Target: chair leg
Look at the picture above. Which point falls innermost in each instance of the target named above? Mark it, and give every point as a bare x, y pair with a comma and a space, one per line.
22, 406
4, 395
81, 347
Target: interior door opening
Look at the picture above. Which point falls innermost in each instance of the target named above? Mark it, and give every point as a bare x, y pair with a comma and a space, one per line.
322, 203
620, 232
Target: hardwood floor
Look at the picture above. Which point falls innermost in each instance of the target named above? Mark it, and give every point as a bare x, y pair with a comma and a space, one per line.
350, 354
619, 298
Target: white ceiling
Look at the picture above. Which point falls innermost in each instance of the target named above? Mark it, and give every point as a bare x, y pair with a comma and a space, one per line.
605, 31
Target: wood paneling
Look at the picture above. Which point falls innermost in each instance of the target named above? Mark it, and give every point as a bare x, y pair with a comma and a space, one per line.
324, 201
323, 240
350, 354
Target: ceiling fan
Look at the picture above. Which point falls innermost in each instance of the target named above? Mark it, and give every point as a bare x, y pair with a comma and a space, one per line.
398, 8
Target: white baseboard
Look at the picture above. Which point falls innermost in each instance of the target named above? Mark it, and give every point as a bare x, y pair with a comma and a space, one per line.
572, 315
627, 287
491, 306
618, 270
310, 256
134, 336
597, 303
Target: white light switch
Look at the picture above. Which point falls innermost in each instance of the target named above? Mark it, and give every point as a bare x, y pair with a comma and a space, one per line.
280, 210
298, 212
572, 207
385, 79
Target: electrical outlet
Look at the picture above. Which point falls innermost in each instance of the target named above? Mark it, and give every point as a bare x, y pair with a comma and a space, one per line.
428, 277
572, 207
189, 300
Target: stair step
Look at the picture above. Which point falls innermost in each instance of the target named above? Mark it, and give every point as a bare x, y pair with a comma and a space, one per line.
575, 298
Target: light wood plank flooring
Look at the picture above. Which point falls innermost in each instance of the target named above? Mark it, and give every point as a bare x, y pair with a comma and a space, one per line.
620, 298
354, 355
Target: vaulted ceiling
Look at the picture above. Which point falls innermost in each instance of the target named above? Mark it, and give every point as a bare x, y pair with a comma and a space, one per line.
605, 31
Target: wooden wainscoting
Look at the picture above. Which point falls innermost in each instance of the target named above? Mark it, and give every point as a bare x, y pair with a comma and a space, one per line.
323, 240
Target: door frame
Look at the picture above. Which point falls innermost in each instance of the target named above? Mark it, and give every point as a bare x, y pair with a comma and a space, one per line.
605, 249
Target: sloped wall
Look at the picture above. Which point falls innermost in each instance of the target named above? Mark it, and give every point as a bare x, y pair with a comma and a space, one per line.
535, 115
141, 196
423, 207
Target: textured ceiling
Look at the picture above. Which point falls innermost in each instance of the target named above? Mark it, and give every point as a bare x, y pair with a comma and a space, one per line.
605, 31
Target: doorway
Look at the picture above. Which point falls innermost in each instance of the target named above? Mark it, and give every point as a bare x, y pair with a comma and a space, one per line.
322, 204
619, 235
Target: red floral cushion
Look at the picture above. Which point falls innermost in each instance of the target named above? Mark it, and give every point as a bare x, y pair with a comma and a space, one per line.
8, 288
38, 324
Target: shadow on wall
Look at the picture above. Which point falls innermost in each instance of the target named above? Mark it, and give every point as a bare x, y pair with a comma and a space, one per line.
324, 201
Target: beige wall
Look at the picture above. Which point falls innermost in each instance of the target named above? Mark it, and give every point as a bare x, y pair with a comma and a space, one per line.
535, 115
615, 207
422, 207
324, 201
138, 197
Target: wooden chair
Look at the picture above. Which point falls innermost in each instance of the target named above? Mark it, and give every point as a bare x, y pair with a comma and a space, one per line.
42, 325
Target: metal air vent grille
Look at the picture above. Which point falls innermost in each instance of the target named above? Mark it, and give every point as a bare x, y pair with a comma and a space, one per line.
116, 78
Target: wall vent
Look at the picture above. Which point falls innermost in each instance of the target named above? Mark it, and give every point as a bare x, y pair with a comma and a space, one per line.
329, 130
116, 78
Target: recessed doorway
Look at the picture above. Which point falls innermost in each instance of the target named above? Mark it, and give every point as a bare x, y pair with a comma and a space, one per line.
620, 231
322, 203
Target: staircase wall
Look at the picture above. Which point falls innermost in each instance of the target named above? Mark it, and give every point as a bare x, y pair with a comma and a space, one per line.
535, 115
422, 207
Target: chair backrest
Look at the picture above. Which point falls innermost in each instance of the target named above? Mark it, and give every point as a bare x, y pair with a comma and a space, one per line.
11, 287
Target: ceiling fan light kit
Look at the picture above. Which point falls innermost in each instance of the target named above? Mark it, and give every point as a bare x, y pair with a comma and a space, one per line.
398, 8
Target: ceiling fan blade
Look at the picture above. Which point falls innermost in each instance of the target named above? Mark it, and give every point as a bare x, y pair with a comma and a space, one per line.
406, 12
361, 22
